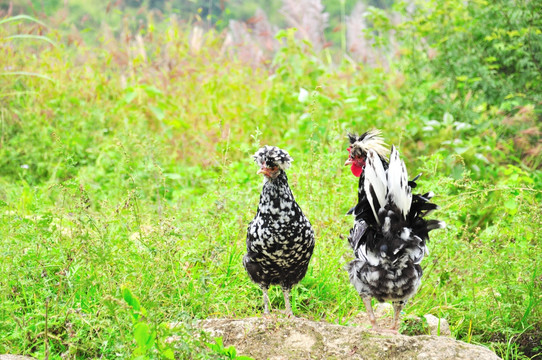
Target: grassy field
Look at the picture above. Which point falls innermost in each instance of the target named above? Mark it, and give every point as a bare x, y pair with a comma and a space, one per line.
127, 183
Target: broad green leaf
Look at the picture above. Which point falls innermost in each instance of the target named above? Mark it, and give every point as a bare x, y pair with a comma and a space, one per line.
152, 90
511, 206
130, 299
169, 353
230, 351
158, 112
130, 96
448, 119
143, 335
461, 149
481, 157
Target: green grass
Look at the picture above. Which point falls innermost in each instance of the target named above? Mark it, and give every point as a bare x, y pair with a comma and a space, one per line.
131, 173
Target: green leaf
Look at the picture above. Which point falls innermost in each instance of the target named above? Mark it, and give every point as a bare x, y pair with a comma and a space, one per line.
219, 342
511, 206
461, 149
168, 353
130, 299
481, 157
218, 346
143, 335
151, 90
133, 301
129, 97
158, 112
230, 351
281, 34
448, 119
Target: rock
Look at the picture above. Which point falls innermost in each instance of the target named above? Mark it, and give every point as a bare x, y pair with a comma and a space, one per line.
428, 325
438, 326
15, 357
296, 338
383, 309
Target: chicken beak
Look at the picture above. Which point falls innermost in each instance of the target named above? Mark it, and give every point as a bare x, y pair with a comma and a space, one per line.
263, 170
348, 162
267, 171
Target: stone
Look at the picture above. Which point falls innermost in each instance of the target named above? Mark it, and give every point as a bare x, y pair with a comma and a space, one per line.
281, 338
438, 326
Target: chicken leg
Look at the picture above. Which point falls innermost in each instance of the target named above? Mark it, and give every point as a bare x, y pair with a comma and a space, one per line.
265, 300
367, 301
397, 308
286, 293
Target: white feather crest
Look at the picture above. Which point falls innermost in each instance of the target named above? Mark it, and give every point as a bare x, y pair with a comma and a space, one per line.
373, 141
273, 156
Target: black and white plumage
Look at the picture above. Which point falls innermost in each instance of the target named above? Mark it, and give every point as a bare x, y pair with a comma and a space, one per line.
390, 232
280, 239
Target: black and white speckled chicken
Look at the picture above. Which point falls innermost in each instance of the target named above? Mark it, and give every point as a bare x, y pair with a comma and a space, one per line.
280, 239
390, 234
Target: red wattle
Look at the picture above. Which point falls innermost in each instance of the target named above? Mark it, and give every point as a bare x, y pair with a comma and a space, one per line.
356, 170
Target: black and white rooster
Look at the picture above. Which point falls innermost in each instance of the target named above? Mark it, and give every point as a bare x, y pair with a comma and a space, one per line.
280, 239
390, 233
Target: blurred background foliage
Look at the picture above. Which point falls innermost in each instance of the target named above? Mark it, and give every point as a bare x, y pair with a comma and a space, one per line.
126, 130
